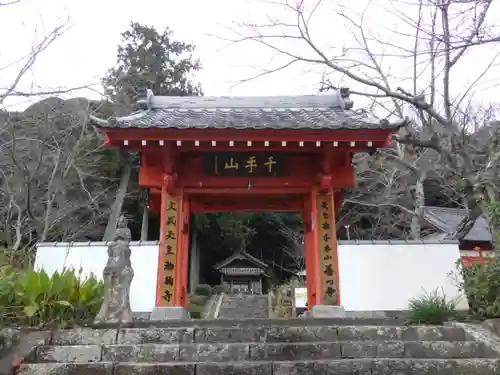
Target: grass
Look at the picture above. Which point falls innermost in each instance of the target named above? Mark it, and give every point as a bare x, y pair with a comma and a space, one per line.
432, 308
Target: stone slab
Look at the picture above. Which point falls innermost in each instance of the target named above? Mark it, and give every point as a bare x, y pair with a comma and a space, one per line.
372, 349
252, 333
376, 314
369, 333
69, 354
446, 333
140, 353
169, 313
154, 369
233, 352
339, 367
290, 352
481, 334
369, 349
409, 333
326, 311
236, 323
235, 369
84, 336
152, 335
141, 315
67, 369
447, 350
436, 367
301, 334
389, 367
319, 367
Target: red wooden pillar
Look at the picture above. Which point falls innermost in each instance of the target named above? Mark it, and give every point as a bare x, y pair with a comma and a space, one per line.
336, 202
327, 247
169, 243
163, 227
182, 258
313, 281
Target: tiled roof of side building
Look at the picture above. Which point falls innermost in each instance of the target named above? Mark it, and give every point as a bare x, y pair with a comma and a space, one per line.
249, 112
448, 219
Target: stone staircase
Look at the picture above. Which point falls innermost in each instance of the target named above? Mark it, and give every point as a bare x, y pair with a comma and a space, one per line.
237, 306
264, 347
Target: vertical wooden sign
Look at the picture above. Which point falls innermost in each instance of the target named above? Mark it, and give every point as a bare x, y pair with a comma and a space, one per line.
169, 253
327, 249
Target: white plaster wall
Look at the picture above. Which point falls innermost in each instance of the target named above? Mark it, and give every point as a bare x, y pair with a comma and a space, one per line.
386, 275
374, 276
92, 257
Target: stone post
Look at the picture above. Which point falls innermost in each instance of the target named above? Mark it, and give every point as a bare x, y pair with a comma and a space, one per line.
117, 276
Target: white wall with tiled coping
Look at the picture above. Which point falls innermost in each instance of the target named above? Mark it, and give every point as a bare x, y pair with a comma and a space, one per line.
374, 276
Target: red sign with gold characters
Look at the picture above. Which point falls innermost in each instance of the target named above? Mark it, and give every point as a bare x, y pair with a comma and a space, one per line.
328, 252
169, 254
248, 164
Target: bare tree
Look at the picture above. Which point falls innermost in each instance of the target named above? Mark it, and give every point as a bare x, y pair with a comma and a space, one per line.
20, 66
50, 185
406, 72
293, 249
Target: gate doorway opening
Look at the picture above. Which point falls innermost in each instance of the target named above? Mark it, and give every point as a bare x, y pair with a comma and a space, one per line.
246, 252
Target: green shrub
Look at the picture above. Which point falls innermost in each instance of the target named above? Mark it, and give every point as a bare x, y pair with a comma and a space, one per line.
219, 289
203, 290
198, 299
431, 308
481, 285
196, 305
195, 310
32, 298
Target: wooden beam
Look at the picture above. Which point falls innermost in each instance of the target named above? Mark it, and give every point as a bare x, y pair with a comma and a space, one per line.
244, 135
239, 191
135, 146
237, 203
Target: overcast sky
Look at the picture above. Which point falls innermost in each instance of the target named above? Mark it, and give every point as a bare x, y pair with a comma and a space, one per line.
84, 53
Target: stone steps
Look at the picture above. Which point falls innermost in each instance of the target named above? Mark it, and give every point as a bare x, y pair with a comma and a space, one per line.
318, 367
264, 347
244, 306
255, 333
235, 352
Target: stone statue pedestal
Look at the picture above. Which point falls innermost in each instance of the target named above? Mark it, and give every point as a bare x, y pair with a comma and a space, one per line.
117, 275
328, 311
169, 313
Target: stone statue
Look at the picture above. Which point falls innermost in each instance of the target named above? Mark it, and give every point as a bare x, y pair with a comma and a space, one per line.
117, 275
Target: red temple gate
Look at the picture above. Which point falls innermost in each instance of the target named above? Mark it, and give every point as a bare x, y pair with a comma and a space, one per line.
210, 154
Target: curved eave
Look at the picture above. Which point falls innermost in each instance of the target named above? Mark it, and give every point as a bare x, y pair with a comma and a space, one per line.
117, 122
121, 134
314, 119
98, 122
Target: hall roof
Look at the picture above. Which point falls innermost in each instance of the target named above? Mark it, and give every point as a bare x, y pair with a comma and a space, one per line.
319, 112
241, 255
446, 220
242, 271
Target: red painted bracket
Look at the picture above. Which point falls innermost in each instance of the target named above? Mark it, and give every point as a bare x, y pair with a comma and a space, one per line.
324, 182
170, 182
